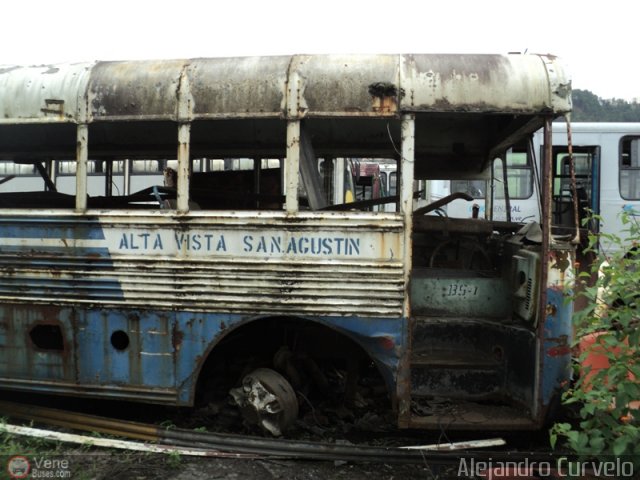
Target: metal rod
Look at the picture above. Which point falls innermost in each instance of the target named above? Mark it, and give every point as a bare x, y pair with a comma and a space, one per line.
249, 445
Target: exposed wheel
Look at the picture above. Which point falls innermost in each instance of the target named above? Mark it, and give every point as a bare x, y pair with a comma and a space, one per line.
266, 399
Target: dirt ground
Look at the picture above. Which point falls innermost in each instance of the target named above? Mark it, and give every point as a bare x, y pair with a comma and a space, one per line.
277, 469
99, 465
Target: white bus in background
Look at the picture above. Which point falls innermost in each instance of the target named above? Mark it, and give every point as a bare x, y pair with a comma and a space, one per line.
524, 205
115, 177
607, 171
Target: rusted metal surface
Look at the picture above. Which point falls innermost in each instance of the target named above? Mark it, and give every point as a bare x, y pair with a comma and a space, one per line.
546, 213
481, 83
475, 416
461, 363
343, 84
21, 351
289, 86
242, 267
118, 281
557, 334
239, 87
129, 90
45, 93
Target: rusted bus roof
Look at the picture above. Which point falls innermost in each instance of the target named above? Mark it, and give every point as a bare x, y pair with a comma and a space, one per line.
342, 85
238, 87
484, 83
131, 90
43, 93
283, 87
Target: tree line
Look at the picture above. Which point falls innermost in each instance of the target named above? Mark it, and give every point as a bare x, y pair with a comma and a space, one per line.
588, 107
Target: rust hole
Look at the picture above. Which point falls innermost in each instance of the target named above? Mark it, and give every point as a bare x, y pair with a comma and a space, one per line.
119, 340
47, 337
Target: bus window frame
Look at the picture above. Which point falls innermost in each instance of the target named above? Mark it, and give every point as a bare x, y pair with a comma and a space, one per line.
630, 168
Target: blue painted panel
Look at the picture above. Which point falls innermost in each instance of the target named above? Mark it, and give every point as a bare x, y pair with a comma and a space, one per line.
42, 257
557, 339
157, 355
384, 339
197, 332
147, 360
20, 358
94, 350
164, 350
29, 228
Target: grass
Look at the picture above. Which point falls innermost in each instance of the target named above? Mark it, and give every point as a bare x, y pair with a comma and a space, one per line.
84, 462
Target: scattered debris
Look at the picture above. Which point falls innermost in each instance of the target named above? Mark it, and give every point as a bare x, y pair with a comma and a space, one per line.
114, 443
447, 447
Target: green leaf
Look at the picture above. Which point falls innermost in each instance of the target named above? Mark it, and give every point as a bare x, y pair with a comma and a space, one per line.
632, 389
597, 442
588, 409
583, 441
572, 436
620, 445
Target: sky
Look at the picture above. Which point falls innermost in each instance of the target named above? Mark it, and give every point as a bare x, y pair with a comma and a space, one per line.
597, 42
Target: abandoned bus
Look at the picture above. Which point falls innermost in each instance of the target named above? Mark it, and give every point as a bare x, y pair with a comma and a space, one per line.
241, 268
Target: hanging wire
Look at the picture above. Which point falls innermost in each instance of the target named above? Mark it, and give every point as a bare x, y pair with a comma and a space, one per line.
573, 182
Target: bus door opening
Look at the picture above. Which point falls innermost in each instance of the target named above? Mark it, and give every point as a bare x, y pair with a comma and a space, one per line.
586, 162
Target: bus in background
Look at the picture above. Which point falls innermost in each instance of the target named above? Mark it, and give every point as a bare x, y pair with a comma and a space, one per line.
524, 203
607, 173
193, 235
376, 179
352, 179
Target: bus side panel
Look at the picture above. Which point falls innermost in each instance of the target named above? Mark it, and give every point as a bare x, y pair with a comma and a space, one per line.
125, 347
235, 265
556, 345
135, 296
557, 331
35, 346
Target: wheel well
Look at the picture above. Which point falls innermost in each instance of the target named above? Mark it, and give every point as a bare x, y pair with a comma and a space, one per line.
318, 360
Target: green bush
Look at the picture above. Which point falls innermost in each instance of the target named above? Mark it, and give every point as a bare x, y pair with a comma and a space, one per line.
606, 424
